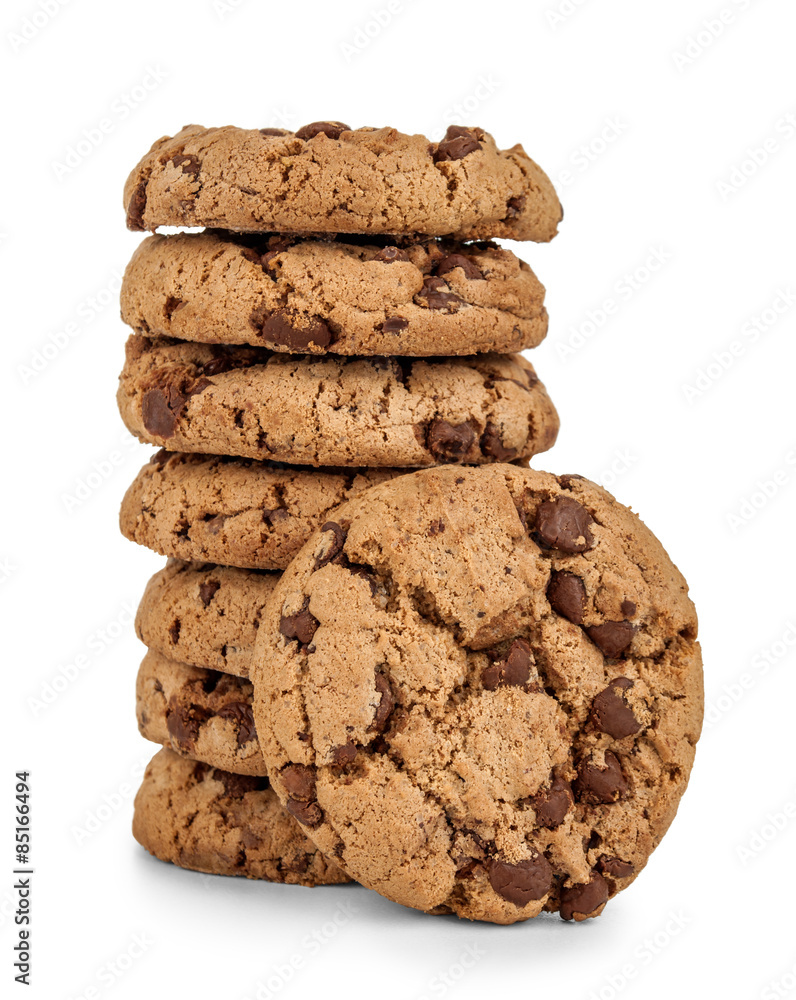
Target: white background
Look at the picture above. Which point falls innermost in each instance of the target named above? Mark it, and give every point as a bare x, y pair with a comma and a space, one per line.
640, 141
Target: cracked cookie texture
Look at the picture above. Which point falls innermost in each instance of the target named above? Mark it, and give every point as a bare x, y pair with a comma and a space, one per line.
221, 823
334, 296
234, 511
204, 614
334, 411
479, 691
327, 177
201, 714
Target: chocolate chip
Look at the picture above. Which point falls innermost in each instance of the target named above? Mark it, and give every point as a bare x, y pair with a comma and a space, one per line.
601, 785
390, 254
628, 608
585, 900
514, 206
162, 404
449, 442
611, 714
435, 528
471, 270
174, 631
215, 524
492, 445
300, 625
552, 806
307, 813
136, 208
394, 324
188, 162
207, 591
160, 457
280, 328
184, 722
434, 295
238, 785
564, 524
159, 419
332, 129
240, 712
385, 706
567, 595
299, 781
344, 754
616, 867
458, 142
523, 882
611, 638
273, 131
568, 478
336, 546
514, 671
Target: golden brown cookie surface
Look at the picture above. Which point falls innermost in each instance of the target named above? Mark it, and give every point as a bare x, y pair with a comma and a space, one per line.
327, 177
213, 821
202, 714
480, 690
334, 296
333, 411
234, 511
204, 614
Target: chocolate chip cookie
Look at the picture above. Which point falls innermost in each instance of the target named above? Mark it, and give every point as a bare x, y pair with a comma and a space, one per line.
334, 297
202, 714
351, 412
213, 821
480, 690
203, 614
234, 511
327, 177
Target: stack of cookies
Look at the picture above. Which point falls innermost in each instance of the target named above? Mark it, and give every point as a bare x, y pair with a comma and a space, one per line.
474, 688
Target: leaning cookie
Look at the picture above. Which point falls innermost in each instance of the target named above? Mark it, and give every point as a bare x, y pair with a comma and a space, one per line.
350, 412
223, 824
234, 511
480, 691
202, 714
204, 614
331, 178
319, 297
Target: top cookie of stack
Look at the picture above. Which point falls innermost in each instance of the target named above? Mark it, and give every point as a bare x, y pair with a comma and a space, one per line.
329, 178
334, 241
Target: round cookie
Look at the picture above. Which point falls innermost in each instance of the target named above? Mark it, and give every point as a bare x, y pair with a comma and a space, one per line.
480, 691
212, 821
234, 511
204, 615
326, 177
325, 296
202, 714
350, 412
